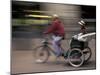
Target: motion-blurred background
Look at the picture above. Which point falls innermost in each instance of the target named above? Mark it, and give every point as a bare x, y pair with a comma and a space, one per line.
30, 19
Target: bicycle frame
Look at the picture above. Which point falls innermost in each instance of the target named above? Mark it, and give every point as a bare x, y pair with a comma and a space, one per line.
46, 44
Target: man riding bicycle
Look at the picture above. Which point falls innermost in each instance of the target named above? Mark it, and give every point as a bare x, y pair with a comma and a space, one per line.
57, 30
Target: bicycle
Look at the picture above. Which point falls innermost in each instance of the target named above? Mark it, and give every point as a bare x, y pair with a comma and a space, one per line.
76, 57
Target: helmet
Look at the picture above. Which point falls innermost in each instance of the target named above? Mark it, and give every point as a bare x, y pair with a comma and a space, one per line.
81, 22
55, 15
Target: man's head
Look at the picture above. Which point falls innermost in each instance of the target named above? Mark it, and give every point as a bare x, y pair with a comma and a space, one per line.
55, 16
82, 24
83, 31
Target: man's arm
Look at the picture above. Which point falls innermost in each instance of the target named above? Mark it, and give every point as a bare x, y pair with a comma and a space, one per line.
51, 28
87, 35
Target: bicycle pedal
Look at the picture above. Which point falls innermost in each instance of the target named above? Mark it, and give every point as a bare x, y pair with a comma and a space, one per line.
62, 54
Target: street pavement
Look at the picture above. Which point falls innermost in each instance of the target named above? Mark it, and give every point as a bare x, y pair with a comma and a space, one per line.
22, 60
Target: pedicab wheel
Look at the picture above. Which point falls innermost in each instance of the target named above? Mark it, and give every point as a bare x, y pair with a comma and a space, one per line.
41, 54
87, 53
75, 57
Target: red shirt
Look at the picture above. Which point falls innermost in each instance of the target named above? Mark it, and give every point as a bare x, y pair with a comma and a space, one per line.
57, 28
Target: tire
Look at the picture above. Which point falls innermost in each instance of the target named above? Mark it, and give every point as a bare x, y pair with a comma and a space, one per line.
87, 53
75, 57
41, 53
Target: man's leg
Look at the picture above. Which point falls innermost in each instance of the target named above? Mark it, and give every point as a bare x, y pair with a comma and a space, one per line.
56, 43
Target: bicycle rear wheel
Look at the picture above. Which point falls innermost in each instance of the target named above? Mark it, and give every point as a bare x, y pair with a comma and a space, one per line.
76, 57
41, 54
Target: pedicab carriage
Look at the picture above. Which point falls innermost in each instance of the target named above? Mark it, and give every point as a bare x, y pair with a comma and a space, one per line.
79, 51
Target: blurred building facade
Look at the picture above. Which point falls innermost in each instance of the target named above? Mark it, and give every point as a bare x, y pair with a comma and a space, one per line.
27, 31
69, 14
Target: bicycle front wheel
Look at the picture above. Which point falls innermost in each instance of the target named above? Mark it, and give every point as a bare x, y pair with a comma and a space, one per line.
41, 54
